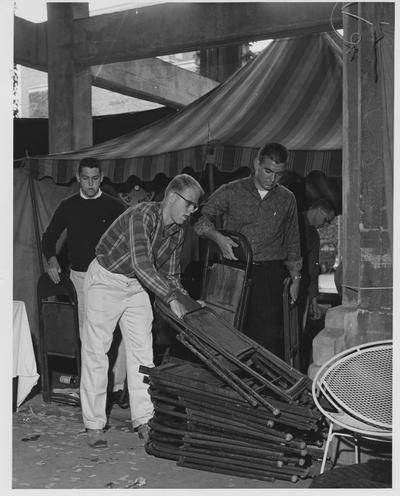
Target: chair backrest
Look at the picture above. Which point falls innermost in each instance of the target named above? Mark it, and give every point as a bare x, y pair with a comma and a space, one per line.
47, 288
226, 283
358, 382
58, 317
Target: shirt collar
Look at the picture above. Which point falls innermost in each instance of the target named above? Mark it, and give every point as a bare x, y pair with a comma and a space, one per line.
253, 188
171, 229
98, 194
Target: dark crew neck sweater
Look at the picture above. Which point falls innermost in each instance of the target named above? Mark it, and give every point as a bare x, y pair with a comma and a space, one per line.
85, 222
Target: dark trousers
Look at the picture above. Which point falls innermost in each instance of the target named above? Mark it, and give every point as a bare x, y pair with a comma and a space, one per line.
264, 322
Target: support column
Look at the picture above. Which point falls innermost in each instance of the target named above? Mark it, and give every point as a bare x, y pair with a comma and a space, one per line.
220, 62
366, 311
69, 85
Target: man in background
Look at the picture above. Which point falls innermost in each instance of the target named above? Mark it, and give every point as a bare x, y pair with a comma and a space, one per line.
320, 214
266, 213
85, 216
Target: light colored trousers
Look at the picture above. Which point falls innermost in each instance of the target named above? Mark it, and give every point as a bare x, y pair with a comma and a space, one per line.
109, 298
118, 372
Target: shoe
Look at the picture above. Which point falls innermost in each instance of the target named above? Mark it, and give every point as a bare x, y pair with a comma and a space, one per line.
120, 398
143, 432
96, 439
123, 398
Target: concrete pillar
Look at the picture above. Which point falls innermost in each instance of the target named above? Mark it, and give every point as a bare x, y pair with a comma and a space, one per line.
70, 99
366, 312
220, 62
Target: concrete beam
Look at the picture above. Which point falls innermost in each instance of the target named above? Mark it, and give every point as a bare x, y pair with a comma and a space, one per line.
150, 79
153, 80
181, 27
151, 31
30, 44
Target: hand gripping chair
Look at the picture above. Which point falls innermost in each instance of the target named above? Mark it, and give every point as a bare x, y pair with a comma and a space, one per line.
225, 289
226, 283
58, 333
291, 333
353, 390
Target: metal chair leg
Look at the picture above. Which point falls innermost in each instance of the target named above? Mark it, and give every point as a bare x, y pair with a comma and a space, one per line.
335, 447
357, 448
328, 441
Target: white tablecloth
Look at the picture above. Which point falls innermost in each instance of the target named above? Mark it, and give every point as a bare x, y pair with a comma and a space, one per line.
24, 363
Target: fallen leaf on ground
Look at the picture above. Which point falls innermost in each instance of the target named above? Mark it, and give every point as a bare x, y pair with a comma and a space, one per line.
110, 485
34, 437
139, 482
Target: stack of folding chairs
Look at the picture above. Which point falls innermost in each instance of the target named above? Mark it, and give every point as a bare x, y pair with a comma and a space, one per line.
240, 411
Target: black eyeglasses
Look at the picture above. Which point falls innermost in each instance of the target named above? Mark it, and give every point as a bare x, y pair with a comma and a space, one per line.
189, 203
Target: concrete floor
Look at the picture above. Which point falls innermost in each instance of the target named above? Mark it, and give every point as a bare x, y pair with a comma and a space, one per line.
50, 452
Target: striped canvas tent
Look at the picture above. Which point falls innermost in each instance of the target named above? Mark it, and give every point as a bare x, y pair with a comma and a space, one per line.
290, 93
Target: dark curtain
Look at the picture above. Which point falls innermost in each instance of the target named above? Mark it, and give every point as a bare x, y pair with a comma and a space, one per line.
26, 260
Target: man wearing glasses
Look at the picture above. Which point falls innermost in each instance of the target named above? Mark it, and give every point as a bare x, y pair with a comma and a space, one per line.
266, 213
139, 253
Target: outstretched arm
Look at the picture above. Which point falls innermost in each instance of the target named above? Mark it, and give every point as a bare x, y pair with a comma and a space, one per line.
216, 205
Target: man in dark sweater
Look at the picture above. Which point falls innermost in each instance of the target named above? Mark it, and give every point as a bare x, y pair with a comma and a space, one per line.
84, 216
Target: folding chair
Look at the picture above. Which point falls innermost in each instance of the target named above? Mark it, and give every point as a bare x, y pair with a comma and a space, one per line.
224, 289
290, 329
247, 367
58, 336
199, 420
226, 283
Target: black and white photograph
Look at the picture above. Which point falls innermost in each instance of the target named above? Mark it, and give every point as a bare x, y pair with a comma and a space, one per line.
198, 294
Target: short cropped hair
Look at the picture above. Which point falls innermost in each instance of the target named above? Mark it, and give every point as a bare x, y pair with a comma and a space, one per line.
181, 182
90, 162
275, 151
325, 205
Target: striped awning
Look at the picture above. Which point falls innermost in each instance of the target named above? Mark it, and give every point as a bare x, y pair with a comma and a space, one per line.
290, 93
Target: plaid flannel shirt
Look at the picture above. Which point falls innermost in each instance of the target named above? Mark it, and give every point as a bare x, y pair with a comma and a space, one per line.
138, 244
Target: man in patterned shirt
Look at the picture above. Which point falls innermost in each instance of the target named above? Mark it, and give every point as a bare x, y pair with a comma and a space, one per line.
266, 213
140, 252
